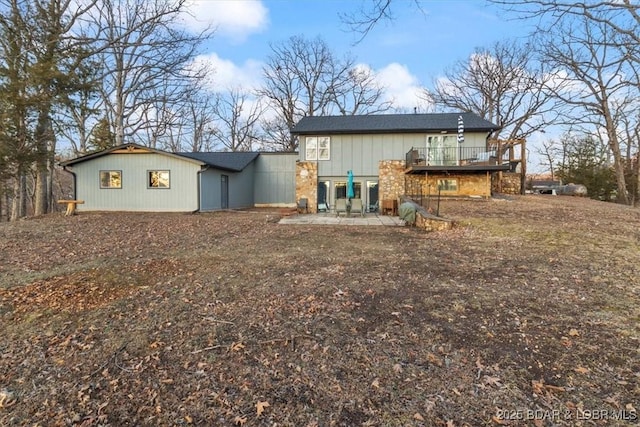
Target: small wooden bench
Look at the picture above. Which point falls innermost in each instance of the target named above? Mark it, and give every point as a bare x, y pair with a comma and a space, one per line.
71, 206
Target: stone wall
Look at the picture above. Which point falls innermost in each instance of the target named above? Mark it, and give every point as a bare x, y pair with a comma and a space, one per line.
469, 184
391, 179
427, 221
508, 183
307, 183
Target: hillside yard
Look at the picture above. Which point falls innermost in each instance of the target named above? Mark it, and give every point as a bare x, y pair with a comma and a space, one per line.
527, 313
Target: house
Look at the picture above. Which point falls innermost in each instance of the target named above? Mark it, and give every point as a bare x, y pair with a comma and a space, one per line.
403, 154
131, 177
389, 155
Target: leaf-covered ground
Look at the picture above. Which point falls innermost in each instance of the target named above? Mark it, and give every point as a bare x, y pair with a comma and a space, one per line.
525, 314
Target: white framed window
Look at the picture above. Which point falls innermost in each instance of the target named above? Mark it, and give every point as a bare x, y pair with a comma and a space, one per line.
324, 148
318, 148
111, 179
158, 179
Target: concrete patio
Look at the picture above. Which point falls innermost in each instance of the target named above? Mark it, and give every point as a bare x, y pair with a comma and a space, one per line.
332, 219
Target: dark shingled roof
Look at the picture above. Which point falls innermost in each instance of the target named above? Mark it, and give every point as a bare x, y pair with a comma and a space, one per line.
232, 161
392, 123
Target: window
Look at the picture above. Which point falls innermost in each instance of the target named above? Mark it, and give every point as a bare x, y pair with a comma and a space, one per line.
341, 189
158, 179
324, 148
442, 150
448, 184
110, 179
318, 148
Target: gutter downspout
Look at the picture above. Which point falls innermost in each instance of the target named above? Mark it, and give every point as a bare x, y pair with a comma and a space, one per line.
75, 178
199, 173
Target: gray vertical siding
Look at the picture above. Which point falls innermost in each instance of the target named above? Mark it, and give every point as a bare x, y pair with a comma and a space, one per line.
275, 183
362, 153
240, 188
134, 194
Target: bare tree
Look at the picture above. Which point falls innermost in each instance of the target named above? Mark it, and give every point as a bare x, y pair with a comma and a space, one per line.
631, 135
361, 94
622, 17
201, 118
369, 15
193, 128
591, 65
237, 119
146, 62
277, 135
597, 45
301, 79
548, 150
304, 78
503, 84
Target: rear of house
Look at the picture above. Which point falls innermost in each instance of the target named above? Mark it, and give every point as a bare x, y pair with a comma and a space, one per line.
397, 154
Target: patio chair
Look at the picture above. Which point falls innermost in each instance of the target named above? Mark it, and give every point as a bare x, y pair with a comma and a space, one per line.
303, 205
341, 206
356, 206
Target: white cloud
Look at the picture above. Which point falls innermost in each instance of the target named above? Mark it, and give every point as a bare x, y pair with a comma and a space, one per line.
401, 87
234, 19
225, 74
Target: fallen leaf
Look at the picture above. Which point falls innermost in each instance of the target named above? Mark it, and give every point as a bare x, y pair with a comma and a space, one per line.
499, 421
188, 419
450, 424
574, 333
432, 358
240, 421
375, 383
237, 346
260, 407
611, 400
581, 370
418, 417
397, 368
494, 381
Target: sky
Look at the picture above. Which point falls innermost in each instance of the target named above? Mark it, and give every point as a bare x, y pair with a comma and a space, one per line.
406, 53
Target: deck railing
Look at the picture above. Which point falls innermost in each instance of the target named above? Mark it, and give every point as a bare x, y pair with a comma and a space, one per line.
456, 156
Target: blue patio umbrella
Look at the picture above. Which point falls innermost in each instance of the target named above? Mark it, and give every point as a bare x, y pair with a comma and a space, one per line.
350, 192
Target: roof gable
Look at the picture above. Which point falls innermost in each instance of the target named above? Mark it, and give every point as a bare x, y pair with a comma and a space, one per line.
129, 148
392, 123
231, 161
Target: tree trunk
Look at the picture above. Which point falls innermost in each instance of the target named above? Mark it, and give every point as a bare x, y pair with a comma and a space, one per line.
41, 202
636, 177
44, 135
618, 162
19, 206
